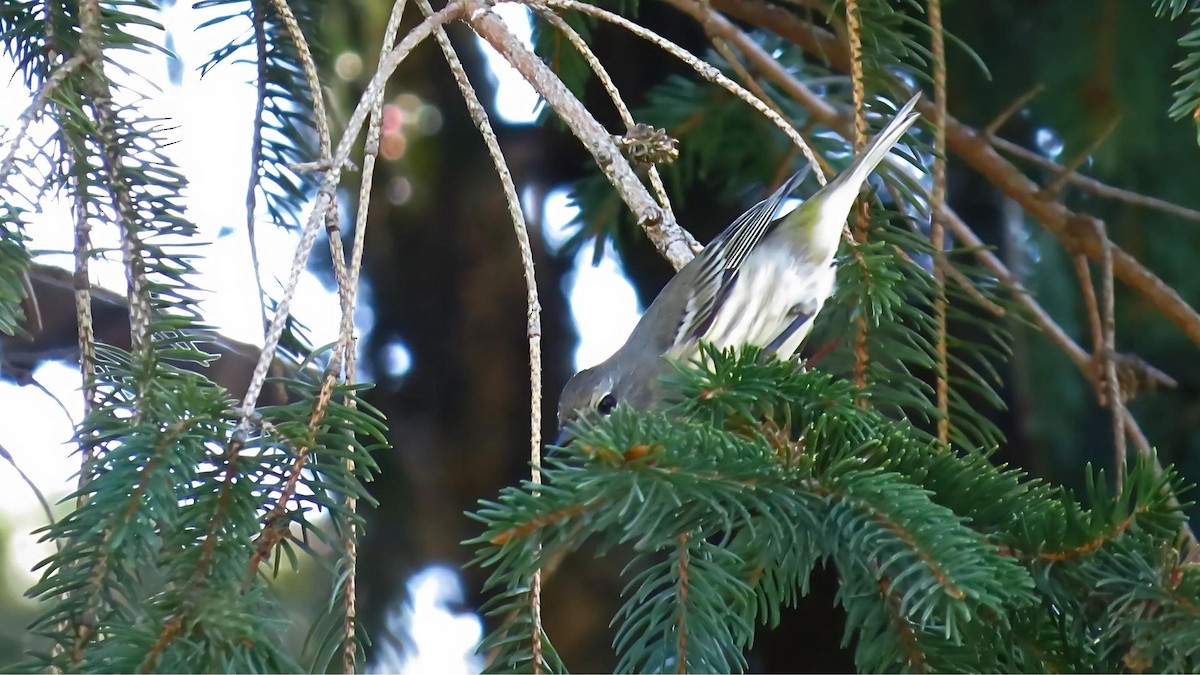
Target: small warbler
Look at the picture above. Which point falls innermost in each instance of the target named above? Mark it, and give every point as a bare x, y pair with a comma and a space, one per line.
760, 282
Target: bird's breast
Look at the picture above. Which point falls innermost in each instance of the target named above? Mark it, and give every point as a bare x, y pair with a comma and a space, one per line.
772, 303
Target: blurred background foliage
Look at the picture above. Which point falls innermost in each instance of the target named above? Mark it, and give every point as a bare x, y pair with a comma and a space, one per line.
446, 284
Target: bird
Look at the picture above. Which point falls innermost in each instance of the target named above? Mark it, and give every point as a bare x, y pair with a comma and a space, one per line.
761, 282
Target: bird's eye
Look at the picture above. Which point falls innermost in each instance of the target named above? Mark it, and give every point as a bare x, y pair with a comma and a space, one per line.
606, 404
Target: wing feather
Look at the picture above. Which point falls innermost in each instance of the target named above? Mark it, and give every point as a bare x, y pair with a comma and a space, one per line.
722, 258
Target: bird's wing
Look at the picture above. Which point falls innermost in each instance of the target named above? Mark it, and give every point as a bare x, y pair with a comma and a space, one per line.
720, 261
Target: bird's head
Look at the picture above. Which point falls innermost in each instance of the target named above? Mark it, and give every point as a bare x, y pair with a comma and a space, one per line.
600, 389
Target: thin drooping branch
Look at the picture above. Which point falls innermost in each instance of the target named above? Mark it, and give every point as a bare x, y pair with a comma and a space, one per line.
937, 233
45, 504
1116, 402
533, 326
1012, 109
976, 149
822, 168
1071, 168
1092, 308
325, 198
321, 119
256, 146
370, 156
82, 283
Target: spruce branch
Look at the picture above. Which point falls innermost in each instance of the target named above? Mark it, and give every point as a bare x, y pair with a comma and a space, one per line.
25, 121
118, 184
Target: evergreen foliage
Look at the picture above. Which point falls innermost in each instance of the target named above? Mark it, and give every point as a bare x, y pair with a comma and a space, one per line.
763, 469
724, 504
183, 515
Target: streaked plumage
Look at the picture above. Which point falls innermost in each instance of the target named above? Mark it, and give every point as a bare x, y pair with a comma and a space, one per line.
761, 282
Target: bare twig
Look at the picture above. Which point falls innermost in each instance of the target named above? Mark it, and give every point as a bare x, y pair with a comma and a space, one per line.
862, 223
533, 325
704, 69
937, 233
1096, 187
1072, 167
1012, 109
370, 156
332, 226
1092, 309
1116, 402
822, 168
350, 544
7, 456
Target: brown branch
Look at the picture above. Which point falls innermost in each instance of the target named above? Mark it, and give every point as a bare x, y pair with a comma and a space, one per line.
1051, 190
1116, 402
1012, 109
978, 152
1096, 187
1092, 308
862, 223
937, 233
681, 590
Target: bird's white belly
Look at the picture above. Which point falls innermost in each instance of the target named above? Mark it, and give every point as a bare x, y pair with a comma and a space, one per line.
772, 286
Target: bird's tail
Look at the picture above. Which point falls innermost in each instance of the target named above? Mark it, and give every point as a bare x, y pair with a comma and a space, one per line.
847, 185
